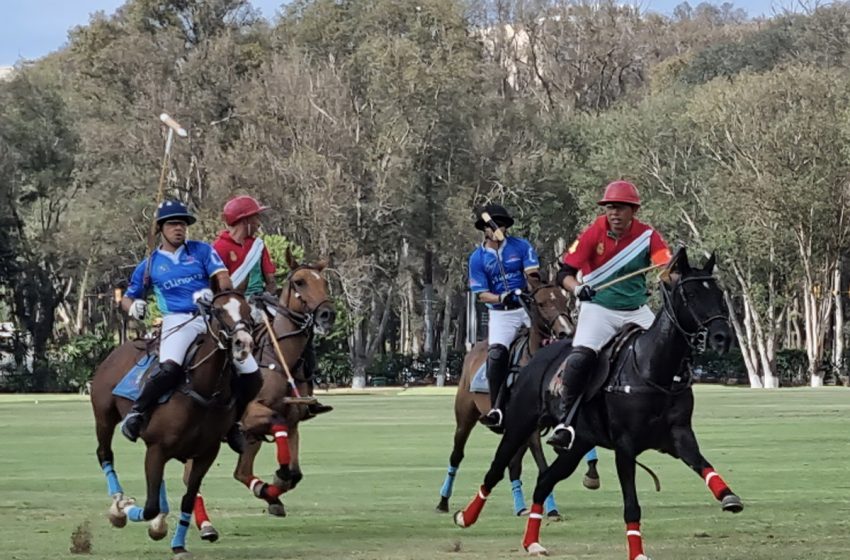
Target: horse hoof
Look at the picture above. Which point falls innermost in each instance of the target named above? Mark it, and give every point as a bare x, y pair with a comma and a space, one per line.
117, 517
535, 549
443, 506
642, 557
554, 515
277, 510
523, 511
458, 519
158, 528
591, 483
208, 533
185, 555
732, 503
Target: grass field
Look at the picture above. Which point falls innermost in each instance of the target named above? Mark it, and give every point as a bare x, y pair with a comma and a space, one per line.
373, 469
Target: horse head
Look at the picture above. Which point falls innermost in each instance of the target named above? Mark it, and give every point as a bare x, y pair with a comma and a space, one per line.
306, 292
695, 303
550, 312
230, 323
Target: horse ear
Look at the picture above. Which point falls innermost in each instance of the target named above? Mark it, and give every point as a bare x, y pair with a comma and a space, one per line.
290, 259
677, 266
709, 264
321, 265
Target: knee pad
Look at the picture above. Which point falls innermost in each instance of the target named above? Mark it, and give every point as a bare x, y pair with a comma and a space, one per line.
497, 352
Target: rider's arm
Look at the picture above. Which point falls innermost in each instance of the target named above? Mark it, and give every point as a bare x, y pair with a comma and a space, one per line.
478, 282
135, 289
567, 277
531, 266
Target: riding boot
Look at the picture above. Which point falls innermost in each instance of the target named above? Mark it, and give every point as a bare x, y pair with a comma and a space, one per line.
580, 363
167, 378
245, 388
310, 364
498, 363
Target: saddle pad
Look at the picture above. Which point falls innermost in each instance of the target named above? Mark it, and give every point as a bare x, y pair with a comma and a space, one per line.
479, 381
131, 384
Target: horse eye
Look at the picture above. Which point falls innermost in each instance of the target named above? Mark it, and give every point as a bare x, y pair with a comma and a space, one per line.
300, 283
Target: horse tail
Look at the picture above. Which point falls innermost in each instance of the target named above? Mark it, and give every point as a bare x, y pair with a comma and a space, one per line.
654, 476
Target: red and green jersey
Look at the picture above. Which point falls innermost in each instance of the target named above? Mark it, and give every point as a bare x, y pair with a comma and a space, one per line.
246, 262
602, 257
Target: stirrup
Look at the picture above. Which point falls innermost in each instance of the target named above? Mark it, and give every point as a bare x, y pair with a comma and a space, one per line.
129, 432
492, 419
562, 430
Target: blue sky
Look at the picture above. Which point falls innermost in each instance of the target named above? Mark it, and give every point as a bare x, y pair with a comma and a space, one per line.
32, 28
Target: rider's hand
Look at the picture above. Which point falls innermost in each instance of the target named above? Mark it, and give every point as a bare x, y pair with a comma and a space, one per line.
584, 292
509, 298
138, 309
202, 297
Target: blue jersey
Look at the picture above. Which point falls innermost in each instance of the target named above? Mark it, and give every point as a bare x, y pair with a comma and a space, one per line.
176, 276
485, 274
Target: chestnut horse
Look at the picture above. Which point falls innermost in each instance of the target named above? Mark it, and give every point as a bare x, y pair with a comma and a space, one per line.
304, 307
189, 426
548, 308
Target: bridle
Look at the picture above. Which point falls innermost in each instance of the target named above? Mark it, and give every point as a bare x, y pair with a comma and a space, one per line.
549, 326
303, 320
225, 332
697, 339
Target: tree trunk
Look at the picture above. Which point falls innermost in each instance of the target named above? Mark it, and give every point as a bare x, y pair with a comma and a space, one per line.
428, 304
838, 336
81, 298
447, 327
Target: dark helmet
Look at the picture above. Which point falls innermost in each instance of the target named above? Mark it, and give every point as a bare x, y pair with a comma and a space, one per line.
501, 216
173, 210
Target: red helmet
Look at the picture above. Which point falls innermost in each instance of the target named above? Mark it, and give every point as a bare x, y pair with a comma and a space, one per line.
621, 191
241, 207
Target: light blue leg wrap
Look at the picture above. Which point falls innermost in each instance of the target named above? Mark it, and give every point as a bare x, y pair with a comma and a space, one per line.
179, 539
163, 499
448, 483
112, 484
549, 504
519, 498
591, 455
136, 513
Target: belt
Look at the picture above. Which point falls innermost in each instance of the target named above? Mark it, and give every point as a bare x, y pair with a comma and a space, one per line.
629, 308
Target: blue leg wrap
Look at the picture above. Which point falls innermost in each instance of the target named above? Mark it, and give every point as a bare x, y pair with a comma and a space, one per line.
549, 504
179, 539
591, 455
519, 498
112, 484
448, 483
136, 513
163, 499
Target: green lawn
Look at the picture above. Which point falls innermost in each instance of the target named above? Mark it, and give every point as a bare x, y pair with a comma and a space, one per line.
374, 466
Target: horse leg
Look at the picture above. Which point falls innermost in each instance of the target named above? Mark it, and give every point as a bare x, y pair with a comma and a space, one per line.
516, 434
536, 448
561, 468
202, 519
105, 428
200, 466
154, 471
591, 477
515, 476
631, 507
464, 422
244, 473
686, 447
287, 442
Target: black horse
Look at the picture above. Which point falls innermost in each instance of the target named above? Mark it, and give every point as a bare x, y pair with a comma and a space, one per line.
641, 398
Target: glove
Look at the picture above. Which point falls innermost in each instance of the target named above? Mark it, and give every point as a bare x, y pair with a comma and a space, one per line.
509, 299
138, 309
584, 292
202, 297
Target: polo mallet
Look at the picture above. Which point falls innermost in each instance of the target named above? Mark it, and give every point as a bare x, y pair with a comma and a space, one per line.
498, 235
629, 275
173, 126
298, 398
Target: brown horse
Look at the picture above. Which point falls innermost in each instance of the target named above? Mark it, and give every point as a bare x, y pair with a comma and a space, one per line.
304, 306
189, 426
548, 308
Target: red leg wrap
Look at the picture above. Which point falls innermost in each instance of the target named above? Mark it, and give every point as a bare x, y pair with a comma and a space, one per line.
634, 539
715, 483
473, 509
532, 526
200, 512
281, 440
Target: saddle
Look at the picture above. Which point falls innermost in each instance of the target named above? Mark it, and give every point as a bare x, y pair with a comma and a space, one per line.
147, 365
518, 348
608, 357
